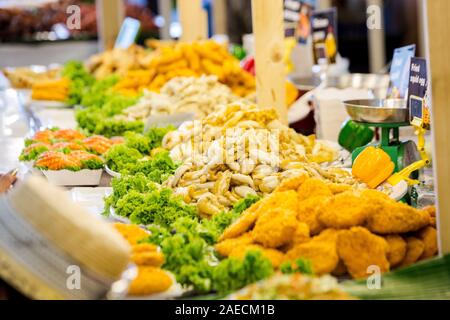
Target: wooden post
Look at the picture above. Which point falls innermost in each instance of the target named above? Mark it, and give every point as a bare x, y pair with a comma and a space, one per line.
193, 20
439, 57
165, 10
268, 30
220, 16
110, 15
376, 37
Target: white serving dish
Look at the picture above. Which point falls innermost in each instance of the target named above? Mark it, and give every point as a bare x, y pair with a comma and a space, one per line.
65, 177
91, 198
112, 173
48, 104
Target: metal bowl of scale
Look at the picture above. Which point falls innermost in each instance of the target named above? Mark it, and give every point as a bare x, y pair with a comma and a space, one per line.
378, 110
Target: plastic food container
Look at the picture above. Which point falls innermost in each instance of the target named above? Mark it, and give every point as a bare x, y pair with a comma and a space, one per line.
65, 177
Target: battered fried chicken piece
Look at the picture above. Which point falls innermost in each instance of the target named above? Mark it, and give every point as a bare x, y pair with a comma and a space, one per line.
397, 249
149, 258
225, 247
144, 247
307, 213
313, 187
432, 211
301, 234
286, 200
131, 232
291, 183
243, 224
343, 211
276, 257
414, 250
359, 249
395, 217
320, 252
275, 227
428, 236
375, 195
337, 188
149, 280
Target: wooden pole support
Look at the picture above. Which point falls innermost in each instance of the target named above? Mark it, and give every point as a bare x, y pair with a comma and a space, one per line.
220, 16
268, 30
110, 15
439, 57
193, 19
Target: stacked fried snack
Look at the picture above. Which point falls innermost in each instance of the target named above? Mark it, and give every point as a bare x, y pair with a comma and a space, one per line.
337, 228
118, 61
241, 150
25, 78
150, 278
54, 90
186, 60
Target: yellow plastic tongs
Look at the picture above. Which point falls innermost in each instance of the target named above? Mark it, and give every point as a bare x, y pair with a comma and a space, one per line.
406, 172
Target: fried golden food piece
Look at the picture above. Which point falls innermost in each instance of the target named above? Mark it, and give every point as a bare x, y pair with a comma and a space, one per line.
131, 232
149, 258
243, 224
337, 188
291, 183
313, 187
276, 257
321, 253
301, 234
144, 247
428, 236
394, 218
286, 200
275, 227
307, 213
343, 211
375, 195
225, 247
359, 249
414, 250
432, 211
397, 249
149, 280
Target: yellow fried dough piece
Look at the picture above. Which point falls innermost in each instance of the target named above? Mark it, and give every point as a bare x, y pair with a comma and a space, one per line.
359, 249
343, 211
225, 247
149, 258
414, 250
397, 249
149, 280
275, 227
313, 187
428, 236
307, 213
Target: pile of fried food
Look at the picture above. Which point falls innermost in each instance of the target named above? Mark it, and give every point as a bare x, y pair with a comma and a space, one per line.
118, 61
187, 60
53, 90
200, 96
26, 77
242, 150
339, 229
150, 278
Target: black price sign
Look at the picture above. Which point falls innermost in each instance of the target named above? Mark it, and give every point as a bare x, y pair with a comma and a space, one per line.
418, 102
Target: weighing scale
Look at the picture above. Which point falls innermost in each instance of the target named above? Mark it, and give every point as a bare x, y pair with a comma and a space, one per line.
389, 115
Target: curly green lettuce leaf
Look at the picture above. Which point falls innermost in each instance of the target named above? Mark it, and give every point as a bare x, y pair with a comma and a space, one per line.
121, 158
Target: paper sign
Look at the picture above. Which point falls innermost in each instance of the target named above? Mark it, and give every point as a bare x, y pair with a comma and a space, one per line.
418, 102
128, 32
297, 18
399, 74
324, 35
